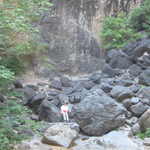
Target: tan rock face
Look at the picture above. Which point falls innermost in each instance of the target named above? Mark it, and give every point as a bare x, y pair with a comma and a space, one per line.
73, 33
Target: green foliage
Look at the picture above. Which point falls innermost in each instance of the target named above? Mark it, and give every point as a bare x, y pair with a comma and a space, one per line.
144, 135
116, 32
12, 114
18, 35
140, 17
13, 63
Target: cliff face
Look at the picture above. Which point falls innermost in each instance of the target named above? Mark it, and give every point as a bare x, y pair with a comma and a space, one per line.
73, 33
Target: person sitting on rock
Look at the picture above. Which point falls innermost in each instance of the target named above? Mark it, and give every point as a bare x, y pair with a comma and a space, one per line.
64, 112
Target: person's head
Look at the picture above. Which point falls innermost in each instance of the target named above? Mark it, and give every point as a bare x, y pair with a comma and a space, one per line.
66, 103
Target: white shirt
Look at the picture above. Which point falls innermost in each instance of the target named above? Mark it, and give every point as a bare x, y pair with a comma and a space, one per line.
64, 108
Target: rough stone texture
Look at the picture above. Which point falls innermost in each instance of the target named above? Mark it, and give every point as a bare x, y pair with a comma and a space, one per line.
60, 135
144, 93
137, 109
118, 140
144, 121
144, 77
29, 94
33, 144
18, 83
38, 98
49, 112
121, 92
118, 59
73, 34
97, 113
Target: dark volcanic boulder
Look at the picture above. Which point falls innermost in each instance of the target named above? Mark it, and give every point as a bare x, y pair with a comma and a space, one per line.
121, 92
118, 59
95, 77
29, 94
55, 84
49, 112
111, 72
65, 81
138, 109
38, 98
144, 78
97, 113
18, 83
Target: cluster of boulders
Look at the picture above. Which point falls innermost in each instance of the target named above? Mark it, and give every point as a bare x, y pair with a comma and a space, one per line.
103, 101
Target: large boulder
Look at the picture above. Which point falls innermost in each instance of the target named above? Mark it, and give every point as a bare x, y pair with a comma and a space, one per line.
118, 59
61, 134
29, 94
97, 113
55, 84
111, 72
120, 92
49, 112
18, 83
38, 98
144, 121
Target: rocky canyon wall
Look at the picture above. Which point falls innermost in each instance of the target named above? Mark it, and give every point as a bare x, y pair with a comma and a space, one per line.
72, 34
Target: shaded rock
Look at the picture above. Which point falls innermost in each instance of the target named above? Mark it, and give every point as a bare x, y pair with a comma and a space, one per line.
127, 103
77, 97
53, 93
121, 92
119, 59
2, 98
38, 98
67, 90
49, 112
78, 87
144, 78
134, 88
65, 81
60, 135
111, 72
135, 70
18, 83
29, 94
97, 113
137, 109
144, 46
34, 87
128, 49
56, 101
55, 84
144, 121
63, 98
123, 82
95, 77
106, 87
88, 85
50, 98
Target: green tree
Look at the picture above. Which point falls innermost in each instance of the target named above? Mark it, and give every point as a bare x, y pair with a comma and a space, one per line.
140, 17
18, 35
116, 32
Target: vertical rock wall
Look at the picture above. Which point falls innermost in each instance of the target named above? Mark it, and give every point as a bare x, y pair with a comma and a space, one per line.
73, 33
